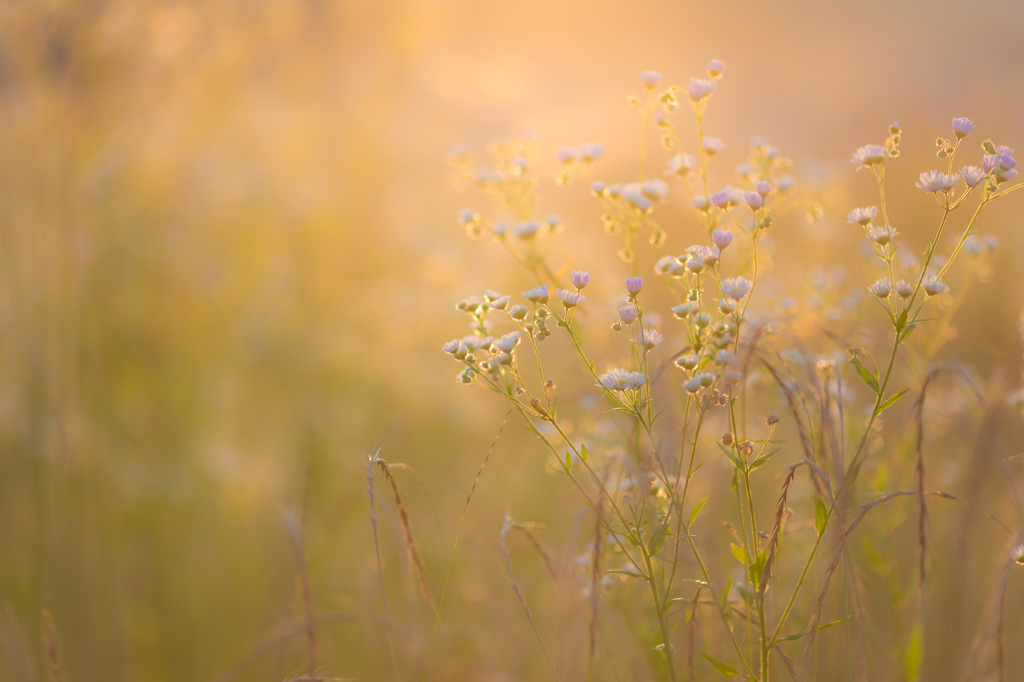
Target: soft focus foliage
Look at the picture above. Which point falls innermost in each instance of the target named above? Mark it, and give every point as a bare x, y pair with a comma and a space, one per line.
229, 253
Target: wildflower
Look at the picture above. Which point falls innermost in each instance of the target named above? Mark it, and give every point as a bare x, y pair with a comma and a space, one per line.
537, 294
763, 187
681, 164
466, 216
785, 183
518, 311
701, 319
588, 153
634, 285
650, 78
727, 439
621, 380
706, 378
635, 197
507, 342
754, 200
700, 89
663, 265
721, 238
725, 357
736, 287
1002, 163
720, 198
688, 362
500, 302
627, 314
712, 145
991, 242
882, 235
499, 230
654, 189
614, 190
527, 230
695, 263
692, 385
570, 299
680, 311
466, 377
869, 155
451, 347
972, 175
580, 279
700, 203
733, 377
715, 68
962, 127
903, 289
862, 216
597, 187
934, 286
771, 419
936, 181
726, 305
881, 288
553, 220
566, 155
652, 337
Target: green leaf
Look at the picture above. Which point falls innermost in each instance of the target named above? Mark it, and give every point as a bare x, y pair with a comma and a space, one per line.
737, 551
658, 538
584, 455
726, 608
820, 516
914, 653
763, 458
696, 510
732, 458
892, 401
631, 574
676, 600
568, 461
757, 569
867, 377
902, 322
725, 669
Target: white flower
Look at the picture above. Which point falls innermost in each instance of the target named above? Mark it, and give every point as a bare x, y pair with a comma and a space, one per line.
869, 155
936, 181
882, 235
527, 230
661, 267
862, 216
881, 288
507, 342
518, 311
627, 314
736, 288
715, 68
706, 378
621, 380
725, 357
712, 145
652, 337
650, 78
566, 155
721, 238
537, 294
763, 187
589, 153
681, 164
655, 189
692, 385
700, 88
451, 346
500, 302
733, 377
934, 286
688, 361
903, 289
786, 183
466, 216
570, 299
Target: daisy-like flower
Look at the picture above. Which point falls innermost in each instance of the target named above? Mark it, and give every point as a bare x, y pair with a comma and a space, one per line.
566, 155
688, 362
715, 68
700, 88
588, 153
619, 379
763, 187
712, 145
1001, 164
661, 267
570, 299
518, 311
652, 337
451, 346
654, 189
681, 164
537, 294
650, 78
692, 385
702, 320
680, 311
635, 197
933, 286
466, 216
786, 183
881, 288
580, 279
627, 314
634, 285
972, 175
862, 216
721, 238
882, 235
701, 203
706, 378
725, 357
736, 287
694, 263
753, 200
868, 155
962, 127
733, 377
597, 187
936, 181
614, 190
726, 305
721, 198
527, 230
903, 289
501, 302
508, 342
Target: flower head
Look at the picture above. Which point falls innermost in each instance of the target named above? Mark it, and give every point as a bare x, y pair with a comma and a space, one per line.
506, 343
725, 357
962, 127
972, 175
715, 68
588, 153
537, 294
721, 198
466, 216
681, 164
650, 78
712, 145
882, 235
862, 216
736, 287
627, 314
518, 311
501, 302
936, 181
700, 89
721, 238
619, 379
570, 299
527, 230
651, 338
451, 346
868, 155
688, 362
763, 187
580, 279
753, 200
934, 286
692, 385
881, 288
634, 285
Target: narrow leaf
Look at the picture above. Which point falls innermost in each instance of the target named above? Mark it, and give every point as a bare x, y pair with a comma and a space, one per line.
584, 455
696, 510
725, 669
820, 516
867, 377
891, 401
738, 552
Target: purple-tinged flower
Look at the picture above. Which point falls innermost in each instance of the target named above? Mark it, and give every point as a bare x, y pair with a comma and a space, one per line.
721, 198
763, 187
634, 285
537, 294
936, 181
650, 78
881, 288
721, 238
712, 145
451, 346
466, 216
972, 175
570, 299
580, 279
903, 289
934, 286
962, 127
589, 153
754, 200
681, 164
862, 216
736, 287
715, 68
869, 155
597, 187
786, 183
882, 235
527, 230
627, 314
621, 380
700, 89
566, 155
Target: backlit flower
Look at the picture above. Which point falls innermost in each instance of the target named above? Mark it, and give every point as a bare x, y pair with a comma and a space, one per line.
621, 380
862, 216
580, 279
570, 299
962, 127
868, 155
933, 286
537, 294
881, 288
936, 181
736, 288
700, 88
712, 145
681, 164
650, 78
721, 238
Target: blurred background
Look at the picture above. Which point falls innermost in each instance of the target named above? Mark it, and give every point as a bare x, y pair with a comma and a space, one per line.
228, 250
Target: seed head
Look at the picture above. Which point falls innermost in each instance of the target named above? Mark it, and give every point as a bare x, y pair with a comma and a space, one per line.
727, 439
771, 419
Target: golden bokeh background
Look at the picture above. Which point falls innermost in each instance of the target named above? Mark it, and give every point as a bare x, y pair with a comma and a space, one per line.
228, 248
